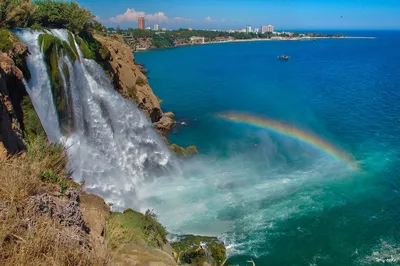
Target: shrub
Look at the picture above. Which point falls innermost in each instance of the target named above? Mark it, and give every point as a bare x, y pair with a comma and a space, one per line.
140, 81
131, 92
5, 42
128, 210
154, 230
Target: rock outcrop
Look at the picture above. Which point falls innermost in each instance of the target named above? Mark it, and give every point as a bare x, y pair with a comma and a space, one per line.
12, 72
129, 80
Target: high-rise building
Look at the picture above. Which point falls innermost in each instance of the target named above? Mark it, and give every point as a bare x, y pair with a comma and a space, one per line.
164, 29
264, 29
141, 23
270, 28
248, 28
156, 27
255, 30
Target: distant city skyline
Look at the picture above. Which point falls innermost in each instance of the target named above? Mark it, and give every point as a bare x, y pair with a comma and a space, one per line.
224, 14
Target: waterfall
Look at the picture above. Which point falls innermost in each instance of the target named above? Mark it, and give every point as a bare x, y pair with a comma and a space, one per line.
111, 144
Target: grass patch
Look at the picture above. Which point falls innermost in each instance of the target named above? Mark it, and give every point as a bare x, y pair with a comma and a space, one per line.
5, 41
134, 227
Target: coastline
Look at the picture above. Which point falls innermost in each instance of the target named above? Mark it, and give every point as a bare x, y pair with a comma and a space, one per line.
258, 40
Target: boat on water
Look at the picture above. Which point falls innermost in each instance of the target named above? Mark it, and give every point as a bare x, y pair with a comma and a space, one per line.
283, 57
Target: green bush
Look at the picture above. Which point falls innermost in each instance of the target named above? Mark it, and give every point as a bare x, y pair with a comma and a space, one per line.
5, 42
128, 210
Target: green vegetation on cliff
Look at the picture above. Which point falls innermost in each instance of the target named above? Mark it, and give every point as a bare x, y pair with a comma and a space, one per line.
196, 250
5, 41
54, 49
131, 227
46, 14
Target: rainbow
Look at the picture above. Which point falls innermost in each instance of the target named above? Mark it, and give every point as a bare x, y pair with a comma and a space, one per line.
292, 132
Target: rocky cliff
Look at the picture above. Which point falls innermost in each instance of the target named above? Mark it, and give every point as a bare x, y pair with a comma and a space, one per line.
129, 80
12, 70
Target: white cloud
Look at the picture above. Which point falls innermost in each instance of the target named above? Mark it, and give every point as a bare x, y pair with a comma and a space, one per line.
208, 19
156, 17
128, 16
182, 19
131, 15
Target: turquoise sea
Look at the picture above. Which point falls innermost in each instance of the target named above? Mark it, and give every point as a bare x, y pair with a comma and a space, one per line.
275, 199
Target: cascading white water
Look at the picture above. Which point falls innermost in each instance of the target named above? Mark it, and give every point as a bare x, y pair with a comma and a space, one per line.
112, 147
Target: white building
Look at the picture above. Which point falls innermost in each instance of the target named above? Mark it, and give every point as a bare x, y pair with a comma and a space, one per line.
256, 30
270, 28
148, 28
248, 28
196, 39
156, 27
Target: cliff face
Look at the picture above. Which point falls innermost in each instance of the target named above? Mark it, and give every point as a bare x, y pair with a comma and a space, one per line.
131, 82
12, 70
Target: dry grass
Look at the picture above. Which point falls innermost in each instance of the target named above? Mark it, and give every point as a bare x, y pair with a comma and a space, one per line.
46, 243
39, 240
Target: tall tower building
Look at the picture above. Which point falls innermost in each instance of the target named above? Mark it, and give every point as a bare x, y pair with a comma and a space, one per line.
248, 28
156, 27
141, 23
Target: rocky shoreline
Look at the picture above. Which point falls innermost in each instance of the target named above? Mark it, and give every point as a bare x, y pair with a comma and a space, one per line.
151, 48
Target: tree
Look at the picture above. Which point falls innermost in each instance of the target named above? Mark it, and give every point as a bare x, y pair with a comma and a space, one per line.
62, 15
16, 13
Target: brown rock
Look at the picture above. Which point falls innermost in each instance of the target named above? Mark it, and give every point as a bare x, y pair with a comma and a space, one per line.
169, 114
95, 212
164, 124
128, 78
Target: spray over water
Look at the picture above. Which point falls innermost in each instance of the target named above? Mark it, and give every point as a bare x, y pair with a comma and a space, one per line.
114, 149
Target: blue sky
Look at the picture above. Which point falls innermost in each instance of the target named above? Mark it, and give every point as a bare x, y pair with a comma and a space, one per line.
235, 14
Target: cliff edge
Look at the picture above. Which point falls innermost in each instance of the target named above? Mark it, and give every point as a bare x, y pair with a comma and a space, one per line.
12, 70
131, 82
